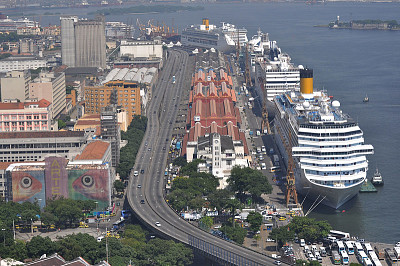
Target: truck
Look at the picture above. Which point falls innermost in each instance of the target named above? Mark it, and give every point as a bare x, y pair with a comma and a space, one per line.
276, 158
380, 252
397, 252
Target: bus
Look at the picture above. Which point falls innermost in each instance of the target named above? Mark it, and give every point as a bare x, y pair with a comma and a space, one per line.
350, 247
336, 258
359, 248
367, 262
362, 256
274, 169
368, 248
374, 258
340, 246
345, 257
339, 234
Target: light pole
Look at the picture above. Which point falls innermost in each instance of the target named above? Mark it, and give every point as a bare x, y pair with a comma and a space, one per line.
4, 236
97, 219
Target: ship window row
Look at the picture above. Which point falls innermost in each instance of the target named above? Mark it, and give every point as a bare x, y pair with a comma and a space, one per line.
330, 139
332, 153
328, 126
331, 165
332, 134
331, 146
334, 173
331, 158
336, 183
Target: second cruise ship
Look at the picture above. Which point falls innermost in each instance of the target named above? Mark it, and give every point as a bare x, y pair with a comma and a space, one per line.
327, 145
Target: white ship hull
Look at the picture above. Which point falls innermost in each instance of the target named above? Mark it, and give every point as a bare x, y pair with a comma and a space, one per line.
335, 197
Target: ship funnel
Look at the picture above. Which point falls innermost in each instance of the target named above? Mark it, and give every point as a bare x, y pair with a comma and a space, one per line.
206, 23
306, 81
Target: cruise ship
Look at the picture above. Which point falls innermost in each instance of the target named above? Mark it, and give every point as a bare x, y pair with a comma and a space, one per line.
7, 24
272, 68
206, 35
327, 145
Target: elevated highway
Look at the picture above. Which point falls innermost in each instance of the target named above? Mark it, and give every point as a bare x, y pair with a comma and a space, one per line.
145, 192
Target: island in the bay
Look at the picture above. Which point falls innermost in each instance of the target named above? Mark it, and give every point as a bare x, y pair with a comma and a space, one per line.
366, 24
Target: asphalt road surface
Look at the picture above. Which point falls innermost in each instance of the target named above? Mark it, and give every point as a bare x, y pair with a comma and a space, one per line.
151, 158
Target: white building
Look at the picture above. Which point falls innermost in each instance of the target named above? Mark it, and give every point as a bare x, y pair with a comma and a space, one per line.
221, 154
15, 85
22, 63
141, 48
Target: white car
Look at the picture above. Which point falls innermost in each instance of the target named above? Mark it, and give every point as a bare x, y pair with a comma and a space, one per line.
136, 173
277, 262
270, 240
397, 244
157, 224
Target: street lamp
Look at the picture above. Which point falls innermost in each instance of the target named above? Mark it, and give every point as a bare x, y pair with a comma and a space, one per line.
97, 219
4, 236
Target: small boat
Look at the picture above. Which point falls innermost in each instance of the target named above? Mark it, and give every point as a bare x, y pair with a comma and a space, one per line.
377, 178
366, 99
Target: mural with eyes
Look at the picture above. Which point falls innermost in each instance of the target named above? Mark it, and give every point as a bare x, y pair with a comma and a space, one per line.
92, 184
25, 186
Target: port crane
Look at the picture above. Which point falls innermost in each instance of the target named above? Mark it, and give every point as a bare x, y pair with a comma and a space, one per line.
265, 121
247, 66
291, 192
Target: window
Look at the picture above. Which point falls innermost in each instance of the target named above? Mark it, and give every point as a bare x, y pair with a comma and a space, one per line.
21, 117
44, 116
35, 117
13, 117
29, 117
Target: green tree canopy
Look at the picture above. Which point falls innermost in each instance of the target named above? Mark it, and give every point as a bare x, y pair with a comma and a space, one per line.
309, 228
255, 219
247, 180
234, 232
39, 246
180, 161
134, 135
207, 221
119, 186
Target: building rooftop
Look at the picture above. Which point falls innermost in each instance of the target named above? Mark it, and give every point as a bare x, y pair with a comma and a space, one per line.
94, 151
21, 105
42, 134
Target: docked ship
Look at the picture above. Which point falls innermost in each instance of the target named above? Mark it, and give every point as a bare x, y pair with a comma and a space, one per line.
271, 68
7, 24
327, 145
206, 35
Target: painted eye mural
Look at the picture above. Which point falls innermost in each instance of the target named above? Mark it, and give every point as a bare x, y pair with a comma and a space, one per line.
25, 186
92, 184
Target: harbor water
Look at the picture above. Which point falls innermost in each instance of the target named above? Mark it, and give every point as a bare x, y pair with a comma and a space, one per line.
348, 64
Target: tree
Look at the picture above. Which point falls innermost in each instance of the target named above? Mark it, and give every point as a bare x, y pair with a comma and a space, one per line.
119, 186
67, 211
207, 221
180, 161
61, 124
309, 228
134, 136
234, 232
167, 252
220, 199
39, 246
255, 219
282, 234
247, 180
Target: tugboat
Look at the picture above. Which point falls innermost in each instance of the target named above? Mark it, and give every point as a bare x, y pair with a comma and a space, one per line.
377, 179
366, 99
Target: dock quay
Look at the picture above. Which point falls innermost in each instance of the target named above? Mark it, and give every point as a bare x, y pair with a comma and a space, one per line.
367, 187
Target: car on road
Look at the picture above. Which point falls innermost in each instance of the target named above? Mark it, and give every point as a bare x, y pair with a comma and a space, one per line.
142, 171
157, 224
270, 240
139, 186
277, 262
149, 149
282, 218
142, 201
135, 173
163, 148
